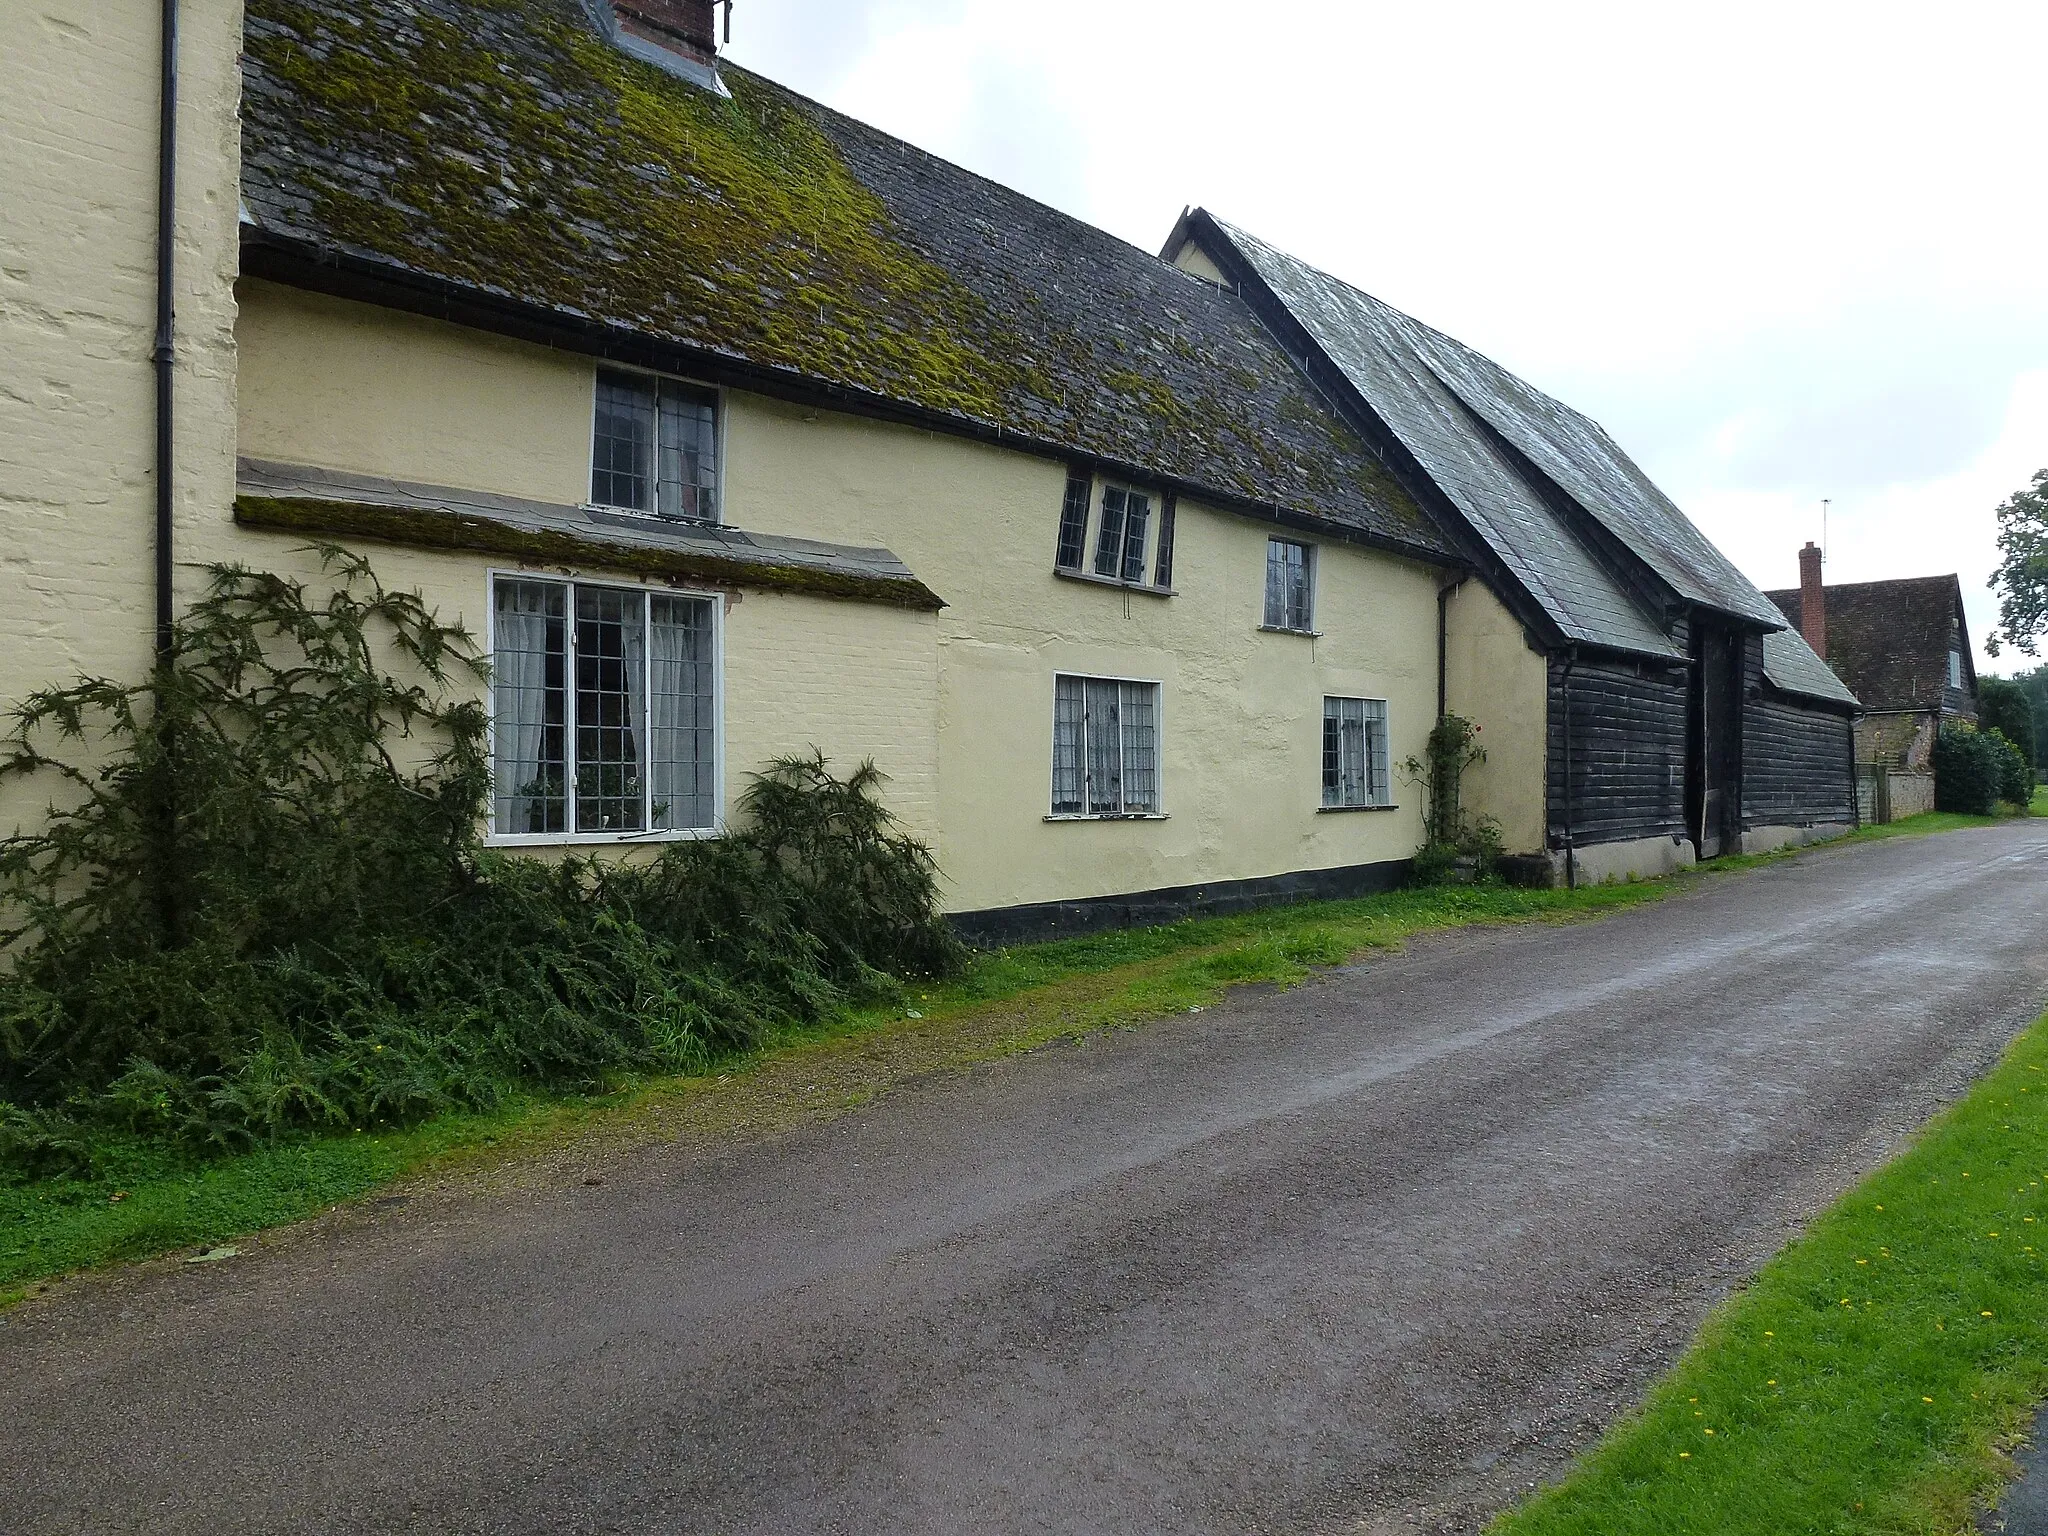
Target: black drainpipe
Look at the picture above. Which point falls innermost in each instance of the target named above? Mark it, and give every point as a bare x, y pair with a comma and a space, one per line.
1571, 851
165, 353
1443, 630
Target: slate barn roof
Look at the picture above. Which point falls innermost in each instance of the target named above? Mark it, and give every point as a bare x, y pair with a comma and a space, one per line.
1889, 639
502, 148
1490, 441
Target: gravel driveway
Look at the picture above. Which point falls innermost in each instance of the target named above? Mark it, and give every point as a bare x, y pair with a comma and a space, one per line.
1369, 1255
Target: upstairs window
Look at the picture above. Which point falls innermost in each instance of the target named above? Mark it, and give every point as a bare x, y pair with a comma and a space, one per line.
603, 711
1120, 544
1105, 747
1355, 754
1290, 586
1132, 532
654, 447
1955, 667
1073, 523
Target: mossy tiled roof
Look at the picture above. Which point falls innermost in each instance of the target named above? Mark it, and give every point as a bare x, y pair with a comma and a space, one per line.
1889, 640
501, 146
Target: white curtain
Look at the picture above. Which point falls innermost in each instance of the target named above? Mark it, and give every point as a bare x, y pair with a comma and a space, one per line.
633, 623
1105, 748
519, 708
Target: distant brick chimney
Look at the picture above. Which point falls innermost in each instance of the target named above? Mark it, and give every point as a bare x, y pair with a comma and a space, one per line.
1813, 601
690, 26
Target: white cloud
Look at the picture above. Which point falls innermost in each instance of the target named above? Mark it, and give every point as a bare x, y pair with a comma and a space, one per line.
1920, 528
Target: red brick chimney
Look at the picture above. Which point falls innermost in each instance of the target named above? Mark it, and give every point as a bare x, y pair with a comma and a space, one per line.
1813, 601
688, 26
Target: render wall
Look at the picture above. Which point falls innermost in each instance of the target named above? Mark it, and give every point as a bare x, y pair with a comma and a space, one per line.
1494, 678
957, 708
349, 387
78, 169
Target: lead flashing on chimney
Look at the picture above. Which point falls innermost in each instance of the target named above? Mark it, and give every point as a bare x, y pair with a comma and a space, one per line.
684, 66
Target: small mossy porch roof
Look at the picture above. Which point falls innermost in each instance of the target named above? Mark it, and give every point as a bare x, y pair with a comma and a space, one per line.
502, 148
1488, 440
1889, 640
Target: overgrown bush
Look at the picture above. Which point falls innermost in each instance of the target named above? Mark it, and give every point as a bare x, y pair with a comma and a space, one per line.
270, 910
1975, 769
2004, 706
1456, 845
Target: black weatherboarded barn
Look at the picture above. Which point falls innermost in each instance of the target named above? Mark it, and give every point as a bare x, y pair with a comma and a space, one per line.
1685, 718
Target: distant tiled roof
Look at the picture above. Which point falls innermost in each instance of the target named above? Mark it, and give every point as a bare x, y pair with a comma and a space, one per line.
501, 146
1889, 640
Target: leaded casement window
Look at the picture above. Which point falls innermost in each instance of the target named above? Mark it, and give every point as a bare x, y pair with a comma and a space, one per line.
604, 711
1105, 747
654, 447
1127, 537
1162, 569
1073, 523
1355, 754
1120, 539
1290, 585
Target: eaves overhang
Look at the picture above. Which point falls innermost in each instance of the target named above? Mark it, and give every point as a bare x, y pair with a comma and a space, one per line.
365, 277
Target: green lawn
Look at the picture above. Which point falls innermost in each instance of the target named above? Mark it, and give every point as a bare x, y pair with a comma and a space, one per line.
1868, 1377
1009, 1001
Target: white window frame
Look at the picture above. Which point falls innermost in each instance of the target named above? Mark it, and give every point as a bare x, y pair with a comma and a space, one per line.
719, 428
1380, 796
1310, 560
1158, 811
1157, 502
569, 836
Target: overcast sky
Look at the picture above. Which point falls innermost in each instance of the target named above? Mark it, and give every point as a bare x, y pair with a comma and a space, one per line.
1784, 252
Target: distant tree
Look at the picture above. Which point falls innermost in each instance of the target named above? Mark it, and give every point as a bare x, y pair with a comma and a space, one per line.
2021, 580
2034, 685
2003, 705
1975, 769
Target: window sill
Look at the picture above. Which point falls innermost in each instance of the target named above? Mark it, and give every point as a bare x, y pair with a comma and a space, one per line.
633, 515
1111, 816
1338, 810
1143, 589
595, 839
1288, 629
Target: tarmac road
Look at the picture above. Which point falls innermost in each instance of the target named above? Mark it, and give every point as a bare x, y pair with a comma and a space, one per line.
1369, 1255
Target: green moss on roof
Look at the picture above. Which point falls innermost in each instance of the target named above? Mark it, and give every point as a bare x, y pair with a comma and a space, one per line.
580, 174
504, 145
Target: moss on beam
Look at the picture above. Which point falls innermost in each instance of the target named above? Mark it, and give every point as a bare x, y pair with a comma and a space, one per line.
439, 528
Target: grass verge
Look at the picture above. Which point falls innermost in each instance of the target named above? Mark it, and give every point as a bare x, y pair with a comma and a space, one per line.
1870, 1376
1009, 1001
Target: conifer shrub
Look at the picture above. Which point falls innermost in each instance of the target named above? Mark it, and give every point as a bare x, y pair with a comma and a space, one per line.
267, 909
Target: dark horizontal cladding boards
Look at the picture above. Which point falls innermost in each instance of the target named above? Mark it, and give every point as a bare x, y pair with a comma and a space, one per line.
1627, 751
1795, 765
